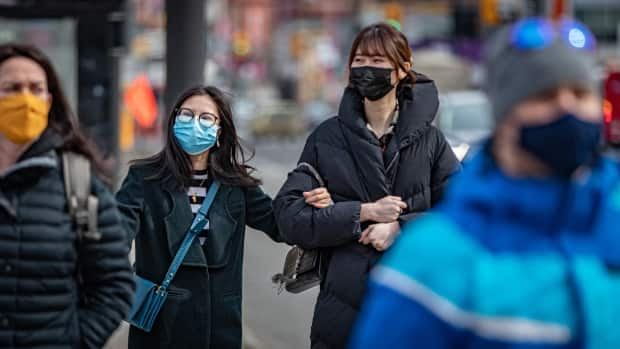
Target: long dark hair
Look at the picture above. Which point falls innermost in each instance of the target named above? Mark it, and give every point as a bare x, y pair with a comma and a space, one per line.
61, 118
227, 161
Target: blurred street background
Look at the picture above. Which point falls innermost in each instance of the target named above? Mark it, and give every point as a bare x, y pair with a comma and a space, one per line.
123, 62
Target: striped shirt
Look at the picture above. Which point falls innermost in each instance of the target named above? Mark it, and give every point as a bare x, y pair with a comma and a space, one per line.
197, 192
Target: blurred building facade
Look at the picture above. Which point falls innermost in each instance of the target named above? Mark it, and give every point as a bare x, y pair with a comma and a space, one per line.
265, 51
84, 40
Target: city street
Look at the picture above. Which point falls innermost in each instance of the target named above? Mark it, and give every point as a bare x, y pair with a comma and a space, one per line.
454, 119
276, 321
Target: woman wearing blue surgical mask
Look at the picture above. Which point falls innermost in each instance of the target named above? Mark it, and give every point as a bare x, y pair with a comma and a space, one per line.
159, 199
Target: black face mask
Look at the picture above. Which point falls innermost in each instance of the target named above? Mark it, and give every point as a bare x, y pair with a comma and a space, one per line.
564, 144
372, 82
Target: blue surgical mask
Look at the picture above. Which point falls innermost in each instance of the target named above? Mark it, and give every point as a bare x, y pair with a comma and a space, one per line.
564, 144
193, 138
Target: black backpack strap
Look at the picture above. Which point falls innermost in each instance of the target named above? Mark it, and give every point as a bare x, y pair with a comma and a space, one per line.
82, 204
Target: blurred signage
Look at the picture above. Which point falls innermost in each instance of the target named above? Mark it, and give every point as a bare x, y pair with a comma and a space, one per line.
310, 8
558, 10
126, 138
611, 108
242, 45
393, 11
140, 101
150, 13
149, 45
55, 37
489, 13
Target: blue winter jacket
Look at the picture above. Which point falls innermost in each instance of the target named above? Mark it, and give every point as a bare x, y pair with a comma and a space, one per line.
503, 263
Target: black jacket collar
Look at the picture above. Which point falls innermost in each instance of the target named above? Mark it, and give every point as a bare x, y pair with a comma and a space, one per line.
40, 157
49, 140
418, 105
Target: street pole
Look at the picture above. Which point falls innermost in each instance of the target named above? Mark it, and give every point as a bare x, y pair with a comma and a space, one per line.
186, 46
116, 22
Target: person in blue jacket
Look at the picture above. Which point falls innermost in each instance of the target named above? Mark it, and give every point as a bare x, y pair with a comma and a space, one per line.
524, 251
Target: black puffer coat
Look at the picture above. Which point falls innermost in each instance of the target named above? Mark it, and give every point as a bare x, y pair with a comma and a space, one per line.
415, 166
39, 293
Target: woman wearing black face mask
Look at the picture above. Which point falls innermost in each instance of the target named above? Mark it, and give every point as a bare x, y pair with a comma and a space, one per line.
384, 164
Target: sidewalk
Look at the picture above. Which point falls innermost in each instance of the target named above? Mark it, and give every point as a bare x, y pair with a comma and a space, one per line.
119, 339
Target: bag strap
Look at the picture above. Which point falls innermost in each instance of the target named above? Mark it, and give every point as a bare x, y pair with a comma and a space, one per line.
197, 225
314, 172
82, 204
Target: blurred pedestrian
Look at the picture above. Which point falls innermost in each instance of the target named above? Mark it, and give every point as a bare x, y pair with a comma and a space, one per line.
383, 163
524, 251
159, 199
57, 288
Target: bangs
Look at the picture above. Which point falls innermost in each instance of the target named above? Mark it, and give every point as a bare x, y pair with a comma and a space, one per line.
373, 44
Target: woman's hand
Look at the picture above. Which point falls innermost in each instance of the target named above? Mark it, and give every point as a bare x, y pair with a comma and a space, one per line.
380, 235
319, 198
385, 210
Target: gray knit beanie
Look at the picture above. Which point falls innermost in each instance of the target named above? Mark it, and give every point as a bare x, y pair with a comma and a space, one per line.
513, 74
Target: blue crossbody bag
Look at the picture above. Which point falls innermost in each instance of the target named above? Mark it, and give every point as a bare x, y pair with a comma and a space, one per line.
150, 297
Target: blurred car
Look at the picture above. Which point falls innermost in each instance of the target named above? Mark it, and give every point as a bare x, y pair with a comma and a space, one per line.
280, 120
243, 112
465, 119
317, 111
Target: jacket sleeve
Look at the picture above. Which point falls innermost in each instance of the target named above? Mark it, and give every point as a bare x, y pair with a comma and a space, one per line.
445, 164
259, 213
130, 199
311, 227
106, 287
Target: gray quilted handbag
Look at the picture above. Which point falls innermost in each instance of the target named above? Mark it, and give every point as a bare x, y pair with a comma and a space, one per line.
302, 268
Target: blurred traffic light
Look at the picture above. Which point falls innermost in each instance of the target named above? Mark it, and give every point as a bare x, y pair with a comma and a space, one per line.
393, 11
611, 108
140, 101
241, 44
296, 44
607, 110
558, 10
489, 14
394, 23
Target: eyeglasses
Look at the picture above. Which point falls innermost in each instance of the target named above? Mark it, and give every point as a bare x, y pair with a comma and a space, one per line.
185, 115
538, 33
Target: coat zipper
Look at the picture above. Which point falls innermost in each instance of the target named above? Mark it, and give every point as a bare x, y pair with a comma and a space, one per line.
393, 161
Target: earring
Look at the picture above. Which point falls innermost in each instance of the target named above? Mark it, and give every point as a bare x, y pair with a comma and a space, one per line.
217, 143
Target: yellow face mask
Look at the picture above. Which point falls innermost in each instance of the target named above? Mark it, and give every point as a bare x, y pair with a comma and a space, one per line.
23, 117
